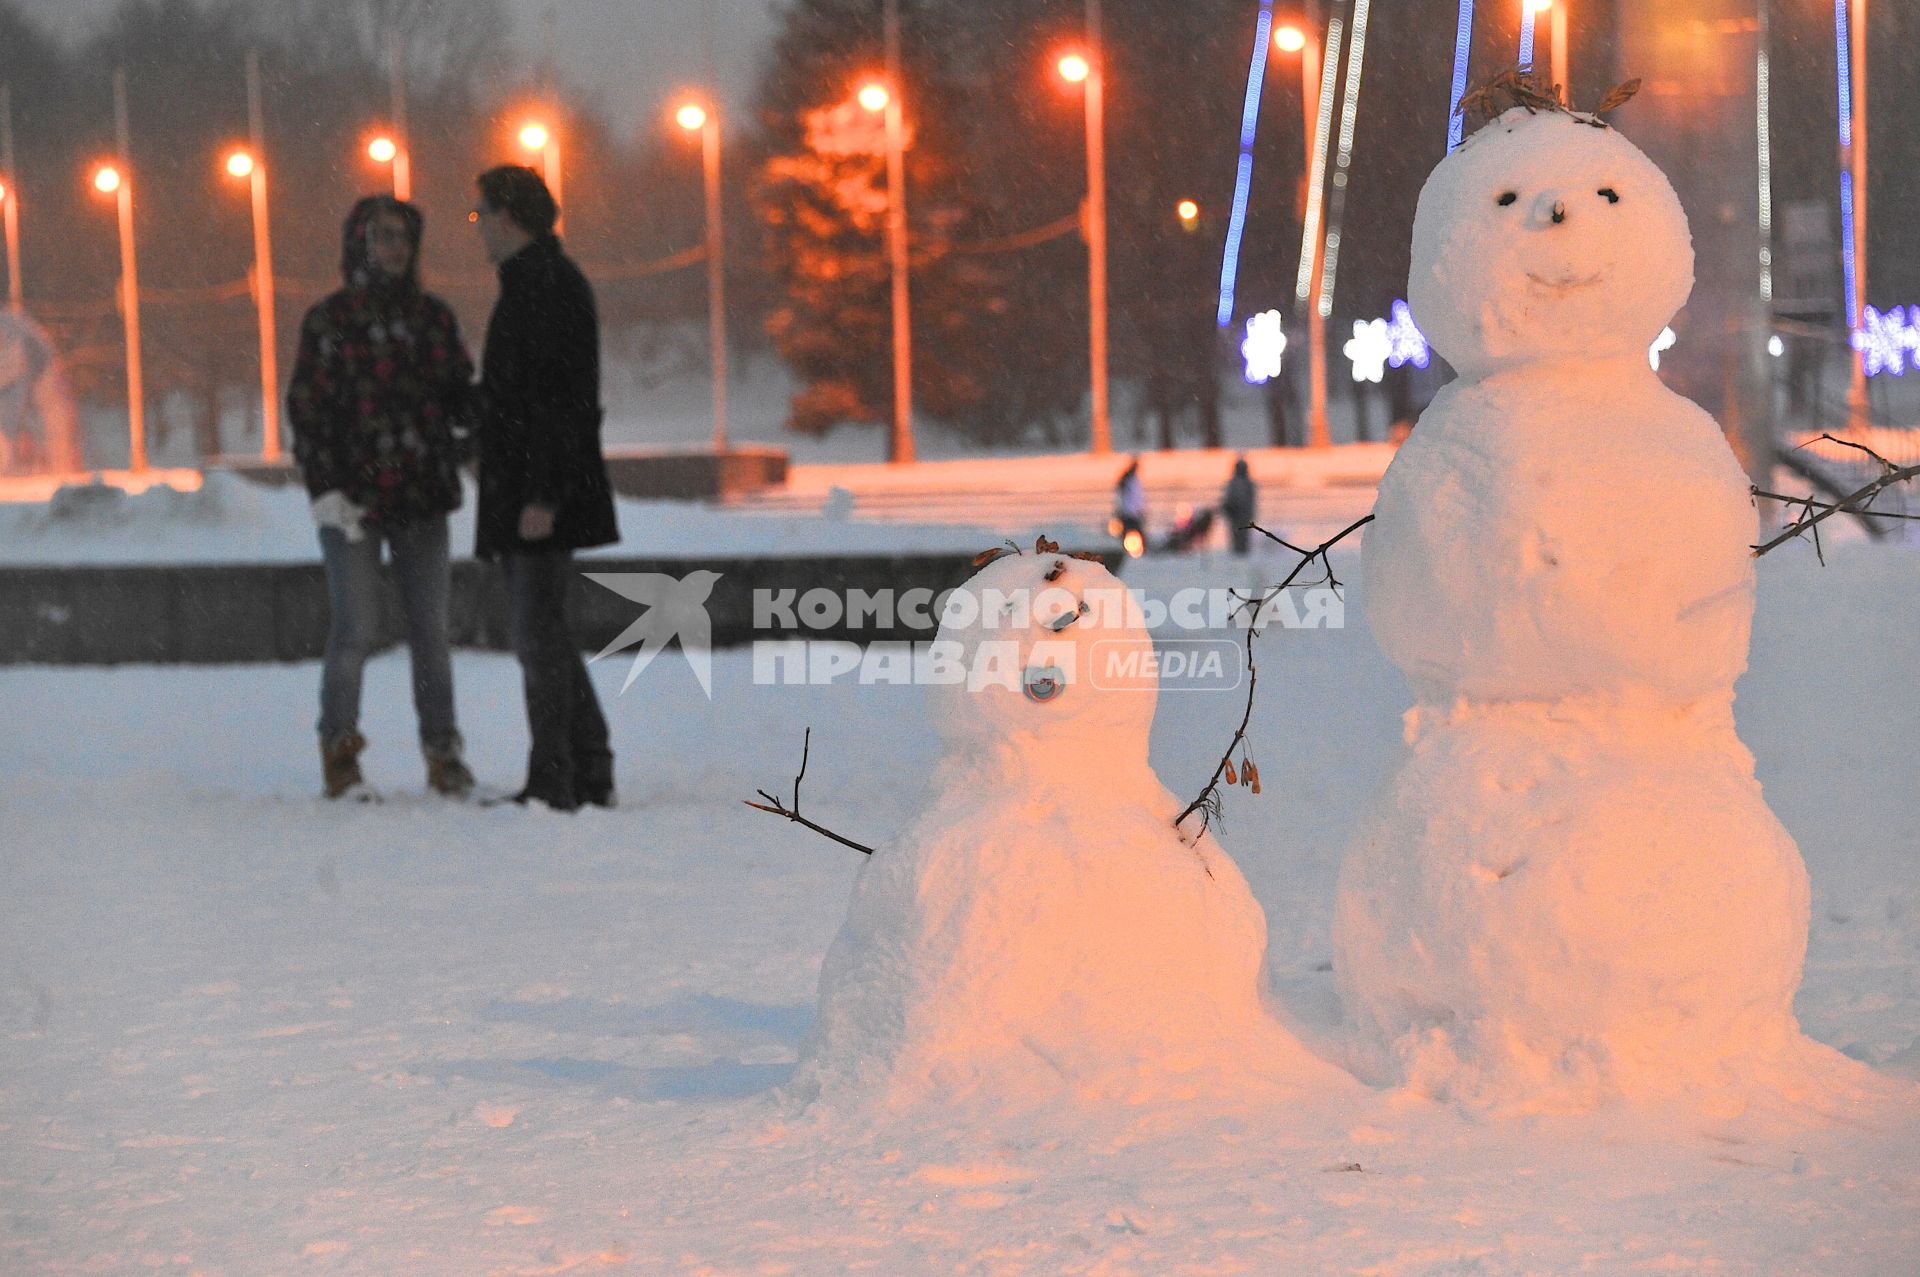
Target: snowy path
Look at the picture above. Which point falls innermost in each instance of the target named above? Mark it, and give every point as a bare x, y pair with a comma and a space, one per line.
243, 1032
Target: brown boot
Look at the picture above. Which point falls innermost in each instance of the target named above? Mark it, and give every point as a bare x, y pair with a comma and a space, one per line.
446, 773
340, 763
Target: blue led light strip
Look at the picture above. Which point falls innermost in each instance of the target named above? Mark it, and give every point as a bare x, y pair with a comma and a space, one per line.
1243, 177
1526, 36
1843, 63
1462, 46
1763, 129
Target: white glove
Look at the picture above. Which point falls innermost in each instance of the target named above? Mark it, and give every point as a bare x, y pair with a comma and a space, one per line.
334, 510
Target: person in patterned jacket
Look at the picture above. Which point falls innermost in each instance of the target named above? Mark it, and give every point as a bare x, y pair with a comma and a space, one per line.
378, 405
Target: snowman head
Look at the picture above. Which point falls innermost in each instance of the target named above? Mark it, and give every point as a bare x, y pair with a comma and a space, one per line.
1547, 235
1044, 650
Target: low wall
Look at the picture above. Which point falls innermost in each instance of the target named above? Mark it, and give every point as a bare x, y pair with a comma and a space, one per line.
694, 474
647, 474
223, 613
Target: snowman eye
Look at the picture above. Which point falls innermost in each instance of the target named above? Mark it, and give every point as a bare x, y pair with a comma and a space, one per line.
1508, 197
1612, 196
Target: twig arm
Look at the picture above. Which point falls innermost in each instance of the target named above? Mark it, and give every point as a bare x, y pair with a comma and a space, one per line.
775, 807
1208, 801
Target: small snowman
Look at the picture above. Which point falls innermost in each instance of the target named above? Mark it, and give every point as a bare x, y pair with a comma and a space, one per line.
1040, 932
1572, 889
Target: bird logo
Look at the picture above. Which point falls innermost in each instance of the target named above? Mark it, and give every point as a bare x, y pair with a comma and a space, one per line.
676, 608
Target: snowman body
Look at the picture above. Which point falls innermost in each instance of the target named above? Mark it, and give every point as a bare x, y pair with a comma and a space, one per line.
1041, 931
1572, 888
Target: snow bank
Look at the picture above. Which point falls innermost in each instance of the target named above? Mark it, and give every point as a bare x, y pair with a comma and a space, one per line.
221, 518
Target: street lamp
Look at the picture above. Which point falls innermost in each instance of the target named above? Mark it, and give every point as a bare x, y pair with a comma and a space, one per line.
10, 203
1078, 68
109, 180
1292, 39
241, 164
1556, 12
536, 136
695, 118
10, 211
383, 149
878, 97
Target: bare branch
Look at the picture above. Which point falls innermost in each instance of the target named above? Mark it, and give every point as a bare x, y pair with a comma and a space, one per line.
1208, 803
1856, 503
776, 807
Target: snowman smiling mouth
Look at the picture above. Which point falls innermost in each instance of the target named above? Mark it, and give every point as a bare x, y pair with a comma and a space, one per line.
1567, 283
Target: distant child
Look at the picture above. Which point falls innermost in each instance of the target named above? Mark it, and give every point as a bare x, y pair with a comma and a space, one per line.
1238, 503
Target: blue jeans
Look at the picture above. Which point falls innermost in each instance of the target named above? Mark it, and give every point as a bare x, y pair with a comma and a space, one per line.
570, 760
420, 564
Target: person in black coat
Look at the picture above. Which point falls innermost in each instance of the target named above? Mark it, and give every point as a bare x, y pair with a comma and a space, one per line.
543, 479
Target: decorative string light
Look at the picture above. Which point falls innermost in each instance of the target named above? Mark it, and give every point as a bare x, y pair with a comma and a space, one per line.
1526, 37
1406, 344
1349, 113
1844, 70
1265, 343
1393, 342
1243, 175
1665, 341
1317, 175
1369, 349
1887, 340
1462, 46
1763, 122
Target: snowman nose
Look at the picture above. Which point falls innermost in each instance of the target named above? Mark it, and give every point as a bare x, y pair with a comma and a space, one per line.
1559, 212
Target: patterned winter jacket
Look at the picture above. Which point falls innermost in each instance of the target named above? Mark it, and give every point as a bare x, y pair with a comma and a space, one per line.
380, 391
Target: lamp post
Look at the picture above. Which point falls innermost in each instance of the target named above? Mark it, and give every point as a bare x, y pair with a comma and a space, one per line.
10, 209
382, 149
874, 96
243, 164
1562, 69
1081, 69
1556, 14
402, 158
536, 136
1316, 125
248, 164
10, 202
112, 179
695, 118
109, 180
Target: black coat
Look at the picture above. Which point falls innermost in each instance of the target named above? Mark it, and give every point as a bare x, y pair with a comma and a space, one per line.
539, 433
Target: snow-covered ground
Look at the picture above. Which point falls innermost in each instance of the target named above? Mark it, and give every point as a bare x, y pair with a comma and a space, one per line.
243, 1031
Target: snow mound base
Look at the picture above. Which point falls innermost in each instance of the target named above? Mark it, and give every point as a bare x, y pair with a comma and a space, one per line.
1040, 933
1612, 912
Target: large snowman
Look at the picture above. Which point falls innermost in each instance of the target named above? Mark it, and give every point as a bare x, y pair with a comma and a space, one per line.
1040, 932
1572, 888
